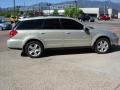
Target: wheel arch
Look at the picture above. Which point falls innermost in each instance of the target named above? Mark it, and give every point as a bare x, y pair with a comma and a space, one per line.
93, 43
32, 40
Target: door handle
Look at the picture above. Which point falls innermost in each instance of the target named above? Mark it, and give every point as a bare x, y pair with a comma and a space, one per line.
43, 33
68, 33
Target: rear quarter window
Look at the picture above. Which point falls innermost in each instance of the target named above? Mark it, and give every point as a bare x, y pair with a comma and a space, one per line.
29, 24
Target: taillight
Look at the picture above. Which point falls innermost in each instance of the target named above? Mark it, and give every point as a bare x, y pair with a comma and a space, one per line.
12, 33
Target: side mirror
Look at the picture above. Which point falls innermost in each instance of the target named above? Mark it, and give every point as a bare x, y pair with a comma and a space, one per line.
87, 30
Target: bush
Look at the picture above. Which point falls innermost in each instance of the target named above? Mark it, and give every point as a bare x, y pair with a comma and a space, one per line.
55, 13
6, 14
31, 13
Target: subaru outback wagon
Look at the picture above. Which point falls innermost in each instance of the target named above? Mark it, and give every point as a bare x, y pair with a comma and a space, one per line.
34, 35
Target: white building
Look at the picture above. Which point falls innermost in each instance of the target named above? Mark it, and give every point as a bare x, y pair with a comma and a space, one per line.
119, 15
113, 13
110, 11
91, 11
50, 12
95, 12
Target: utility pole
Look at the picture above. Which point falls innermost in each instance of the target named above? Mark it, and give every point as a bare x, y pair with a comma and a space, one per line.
104, 7
49, 7
14, 7
76, 4
39, 9
25, 9
109, 3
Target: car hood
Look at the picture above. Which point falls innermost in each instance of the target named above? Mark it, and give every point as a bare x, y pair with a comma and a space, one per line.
99, 30
103, 32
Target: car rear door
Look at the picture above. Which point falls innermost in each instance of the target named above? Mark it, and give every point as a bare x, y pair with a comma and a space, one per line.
52, 34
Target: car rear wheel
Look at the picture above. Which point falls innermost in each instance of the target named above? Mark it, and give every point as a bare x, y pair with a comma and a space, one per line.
102, 46
34, 49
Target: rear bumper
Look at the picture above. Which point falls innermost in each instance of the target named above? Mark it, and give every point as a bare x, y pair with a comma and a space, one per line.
13, 44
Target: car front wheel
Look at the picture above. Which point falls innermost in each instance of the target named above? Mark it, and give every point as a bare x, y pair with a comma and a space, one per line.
102, 46
34, 49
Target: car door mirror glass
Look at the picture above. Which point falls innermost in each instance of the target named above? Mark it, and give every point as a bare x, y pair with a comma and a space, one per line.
87, 30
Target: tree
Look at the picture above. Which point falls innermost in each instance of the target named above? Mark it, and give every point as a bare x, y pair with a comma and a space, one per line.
6, 14
55, 13
73, 12
30, 13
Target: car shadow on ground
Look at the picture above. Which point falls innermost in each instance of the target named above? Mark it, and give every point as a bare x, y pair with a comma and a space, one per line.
115, 49
73, 51
65, 51
57, 52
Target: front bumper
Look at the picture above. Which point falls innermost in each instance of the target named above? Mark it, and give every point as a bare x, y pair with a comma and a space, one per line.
115, 41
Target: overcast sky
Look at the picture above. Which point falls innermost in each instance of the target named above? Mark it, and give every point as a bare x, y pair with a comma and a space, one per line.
9, 3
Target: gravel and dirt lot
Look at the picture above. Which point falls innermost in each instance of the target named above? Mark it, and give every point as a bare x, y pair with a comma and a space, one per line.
76, 69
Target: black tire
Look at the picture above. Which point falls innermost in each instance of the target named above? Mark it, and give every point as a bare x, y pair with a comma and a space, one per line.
102, 48
34, 52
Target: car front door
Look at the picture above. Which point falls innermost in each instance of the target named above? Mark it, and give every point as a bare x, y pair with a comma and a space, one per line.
74, 34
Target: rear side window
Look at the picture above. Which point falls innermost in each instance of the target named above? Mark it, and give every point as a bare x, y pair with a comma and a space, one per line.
51, 24
29, 24
71, 24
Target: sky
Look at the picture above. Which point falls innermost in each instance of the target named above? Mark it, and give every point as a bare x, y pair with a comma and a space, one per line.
9, 3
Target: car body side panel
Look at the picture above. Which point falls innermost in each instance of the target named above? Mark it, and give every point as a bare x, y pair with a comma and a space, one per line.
76, 38
102, 33
49, 38
94, 38
52, 38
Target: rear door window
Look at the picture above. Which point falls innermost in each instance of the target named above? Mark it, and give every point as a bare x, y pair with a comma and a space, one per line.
29, 24
52, 24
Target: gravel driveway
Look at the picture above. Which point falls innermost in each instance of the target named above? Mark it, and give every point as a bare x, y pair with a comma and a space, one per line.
75, 69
